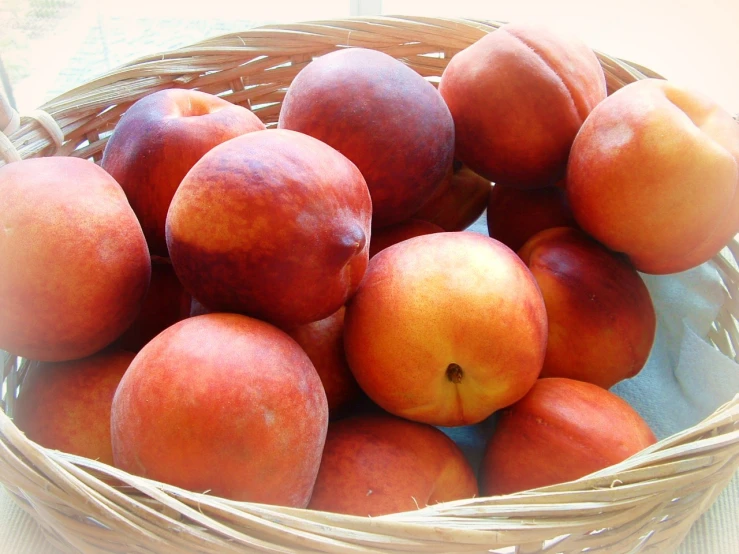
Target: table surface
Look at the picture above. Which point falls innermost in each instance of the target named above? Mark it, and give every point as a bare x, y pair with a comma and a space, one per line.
50, 50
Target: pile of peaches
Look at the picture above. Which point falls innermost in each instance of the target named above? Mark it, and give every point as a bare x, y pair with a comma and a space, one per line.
292, 315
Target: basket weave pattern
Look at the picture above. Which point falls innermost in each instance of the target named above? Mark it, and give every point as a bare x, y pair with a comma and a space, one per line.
647, 503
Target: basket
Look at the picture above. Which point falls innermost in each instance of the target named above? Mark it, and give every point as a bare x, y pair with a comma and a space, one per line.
646, 503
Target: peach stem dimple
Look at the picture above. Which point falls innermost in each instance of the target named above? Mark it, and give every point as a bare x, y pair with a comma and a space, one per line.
454, 373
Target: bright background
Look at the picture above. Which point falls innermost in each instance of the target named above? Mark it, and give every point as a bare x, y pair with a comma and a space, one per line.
49, 46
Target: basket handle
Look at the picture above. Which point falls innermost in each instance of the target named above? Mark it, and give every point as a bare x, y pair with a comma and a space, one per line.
9, 122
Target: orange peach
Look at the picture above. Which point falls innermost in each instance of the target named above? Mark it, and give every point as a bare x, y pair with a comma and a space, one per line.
274, 224
602, 322
654, 173
158, 140
379, 464
518, 96
446, 328
383, 116
323, 341
515, 215
458, 202
73, 259
392, 234
560, 431
66, 405
223, 403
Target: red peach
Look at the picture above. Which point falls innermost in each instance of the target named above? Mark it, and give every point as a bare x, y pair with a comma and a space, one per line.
379, 464
602, 321
323, 341
165, 304
274, 224
156, 142
384, 117
66, 405
458, 202
518, 96
446, 328
393, 234
73, 259
515, 215
223, 403
654, 173
560, 431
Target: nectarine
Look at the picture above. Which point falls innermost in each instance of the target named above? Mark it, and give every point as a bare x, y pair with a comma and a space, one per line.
323, 341
515, 215
73, 259
654, 173
561, 430
393, 234
384, 117
156, 142
602, 321
165, 303
458, 202
380, 464
66, 405
518, 96
274, 224
446, 328
223, 403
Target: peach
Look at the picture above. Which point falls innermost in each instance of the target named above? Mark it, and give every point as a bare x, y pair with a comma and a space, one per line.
602, 322
654, 173
223, 403
165, 303
323, 341
560, 431
515, 215
446, 328
518, 97
274, 224
384, 117
380, 464
73, 259
156, 142
66, 405
392, 234
458, 202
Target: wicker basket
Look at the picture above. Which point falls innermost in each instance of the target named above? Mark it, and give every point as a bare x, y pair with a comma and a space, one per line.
646, 503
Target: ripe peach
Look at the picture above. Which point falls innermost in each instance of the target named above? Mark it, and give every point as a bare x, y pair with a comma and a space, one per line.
73, 260
518, 97
446, 328
274, 224
165, 304
392, 234
561, 430
224, 403
515, 215
66, 405
384, 117
323, 341
380, 464
601, 318
158, 140
654, 173
458, 202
